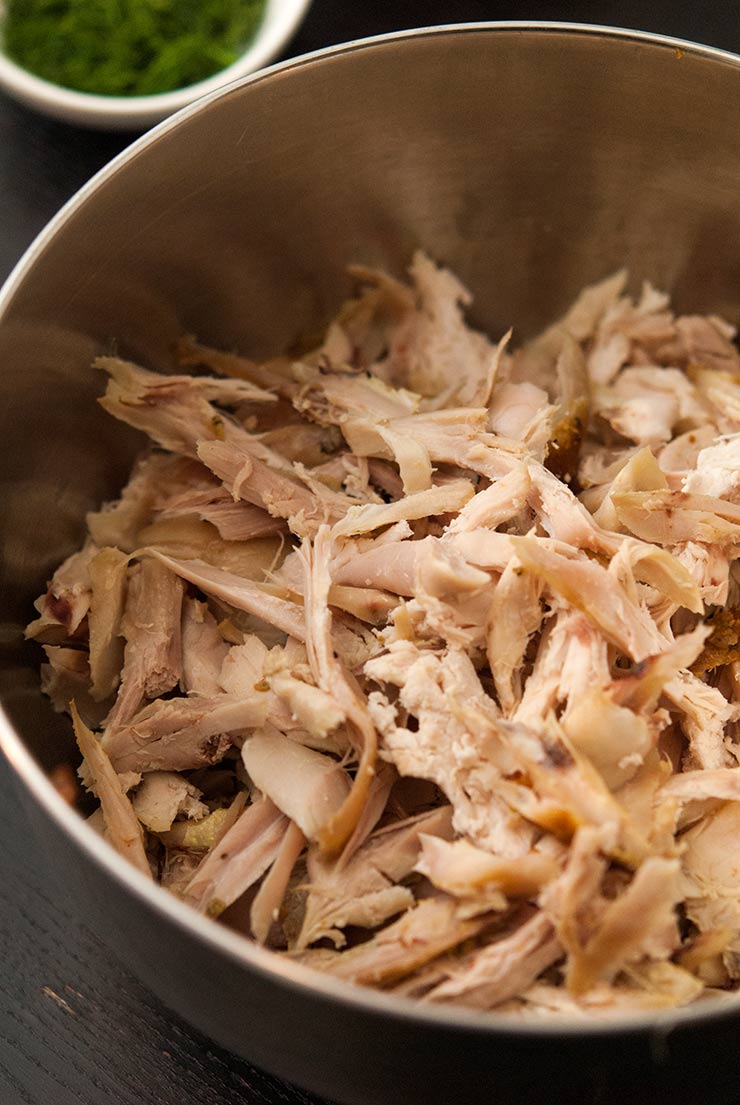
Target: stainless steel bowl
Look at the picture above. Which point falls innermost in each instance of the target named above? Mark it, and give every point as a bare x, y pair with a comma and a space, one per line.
532, 159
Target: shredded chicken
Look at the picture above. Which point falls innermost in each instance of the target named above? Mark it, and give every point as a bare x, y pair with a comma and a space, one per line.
421, 649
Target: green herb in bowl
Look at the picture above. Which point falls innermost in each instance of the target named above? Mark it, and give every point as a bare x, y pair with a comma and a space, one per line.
128, 47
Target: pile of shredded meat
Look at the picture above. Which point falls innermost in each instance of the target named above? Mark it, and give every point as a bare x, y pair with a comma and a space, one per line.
416, 657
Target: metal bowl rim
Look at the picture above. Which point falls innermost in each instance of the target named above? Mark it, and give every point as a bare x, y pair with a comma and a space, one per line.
241, 951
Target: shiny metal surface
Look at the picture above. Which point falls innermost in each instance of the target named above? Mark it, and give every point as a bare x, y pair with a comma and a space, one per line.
529, 159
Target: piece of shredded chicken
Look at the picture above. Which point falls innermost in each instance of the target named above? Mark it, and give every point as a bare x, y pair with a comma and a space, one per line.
416, 656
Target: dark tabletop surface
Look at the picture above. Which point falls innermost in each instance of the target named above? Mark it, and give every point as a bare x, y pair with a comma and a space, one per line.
75, 1027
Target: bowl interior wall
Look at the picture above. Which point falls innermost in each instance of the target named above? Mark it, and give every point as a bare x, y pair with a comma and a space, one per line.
530, 162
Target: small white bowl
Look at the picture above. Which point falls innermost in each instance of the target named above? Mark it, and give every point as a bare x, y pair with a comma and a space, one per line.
280, 21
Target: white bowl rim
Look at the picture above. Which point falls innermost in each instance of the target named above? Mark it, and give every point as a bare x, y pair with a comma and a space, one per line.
658, 1025
279, 22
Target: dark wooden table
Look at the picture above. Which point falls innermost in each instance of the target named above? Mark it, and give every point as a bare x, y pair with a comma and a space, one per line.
75, 1027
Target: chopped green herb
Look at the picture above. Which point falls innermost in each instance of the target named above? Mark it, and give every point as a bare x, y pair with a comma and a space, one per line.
128, 47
